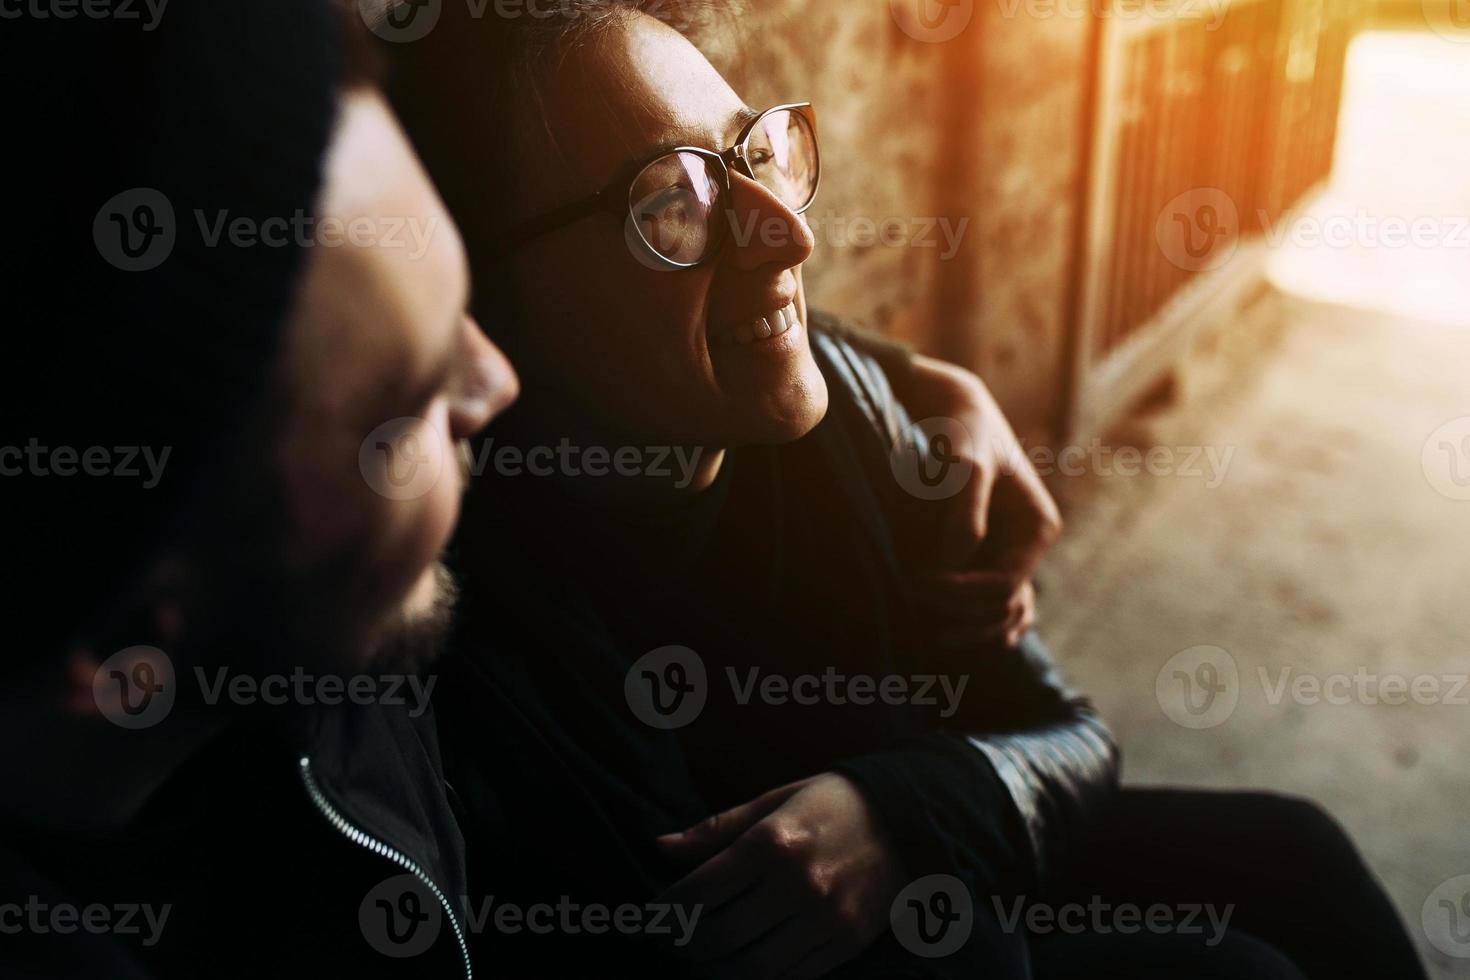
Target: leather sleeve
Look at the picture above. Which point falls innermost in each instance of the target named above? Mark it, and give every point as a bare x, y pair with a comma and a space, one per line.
1022, 740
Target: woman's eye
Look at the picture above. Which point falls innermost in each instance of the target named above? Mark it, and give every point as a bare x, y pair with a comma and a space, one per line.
761, 158
672, 204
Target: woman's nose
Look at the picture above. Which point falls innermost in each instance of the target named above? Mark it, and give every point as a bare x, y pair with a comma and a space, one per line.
765, 230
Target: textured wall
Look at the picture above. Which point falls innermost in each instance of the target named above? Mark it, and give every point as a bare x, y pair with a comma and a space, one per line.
952, 174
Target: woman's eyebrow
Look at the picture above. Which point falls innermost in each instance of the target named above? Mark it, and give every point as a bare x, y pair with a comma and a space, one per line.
677, 137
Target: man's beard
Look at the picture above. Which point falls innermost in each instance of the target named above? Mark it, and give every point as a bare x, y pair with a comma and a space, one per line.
413, 638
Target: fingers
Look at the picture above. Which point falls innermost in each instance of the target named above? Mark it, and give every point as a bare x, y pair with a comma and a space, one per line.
1025, 523
983, 624
1023, 619
962, 592
967, 517
720, 880
714, 834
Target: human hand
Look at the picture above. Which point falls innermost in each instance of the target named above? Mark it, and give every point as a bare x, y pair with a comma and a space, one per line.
794, 883
995, 531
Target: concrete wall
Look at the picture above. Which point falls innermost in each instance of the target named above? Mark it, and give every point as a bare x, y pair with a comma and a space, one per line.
979, 135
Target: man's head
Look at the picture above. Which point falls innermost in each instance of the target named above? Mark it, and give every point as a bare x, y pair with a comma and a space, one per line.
519, 117
308, 298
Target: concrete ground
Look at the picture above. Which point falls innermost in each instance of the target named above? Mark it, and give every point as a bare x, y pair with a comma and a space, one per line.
1314, 592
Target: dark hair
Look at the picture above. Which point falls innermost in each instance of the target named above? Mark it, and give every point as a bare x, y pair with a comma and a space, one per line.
458, 89
223, 108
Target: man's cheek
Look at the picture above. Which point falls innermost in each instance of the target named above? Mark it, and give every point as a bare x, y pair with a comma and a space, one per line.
419, 530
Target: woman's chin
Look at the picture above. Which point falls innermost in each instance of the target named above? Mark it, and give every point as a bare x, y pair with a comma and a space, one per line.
792, 412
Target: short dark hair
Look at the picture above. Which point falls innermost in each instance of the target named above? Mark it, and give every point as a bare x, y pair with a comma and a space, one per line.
457, 89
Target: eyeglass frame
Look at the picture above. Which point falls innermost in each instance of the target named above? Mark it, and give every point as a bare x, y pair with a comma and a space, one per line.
615, 198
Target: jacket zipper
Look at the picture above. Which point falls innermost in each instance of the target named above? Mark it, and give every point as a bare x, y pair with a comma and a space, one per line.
363, 839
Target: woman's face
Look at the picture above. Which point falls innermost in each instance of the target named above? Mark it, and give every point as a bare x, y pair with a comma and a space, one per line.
658, 355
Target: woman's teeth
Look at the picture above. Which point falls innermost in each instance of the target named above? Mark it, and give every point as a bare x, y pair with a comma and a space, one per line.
762, 329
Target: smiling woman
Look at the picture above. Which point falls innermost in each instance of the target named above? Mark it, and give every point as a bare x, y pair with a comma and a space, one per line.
653, 241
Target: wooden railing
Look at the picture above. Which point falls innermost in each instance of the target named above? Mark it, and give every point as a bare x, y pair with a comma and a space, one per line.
1212, 121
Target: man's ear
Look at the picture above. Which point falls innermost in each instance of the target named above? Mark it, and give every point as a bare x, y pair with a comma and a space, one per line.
158, 616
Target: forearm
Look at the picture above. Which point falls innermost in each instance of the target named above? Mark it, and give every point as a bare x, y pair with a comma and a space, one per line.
1003, 791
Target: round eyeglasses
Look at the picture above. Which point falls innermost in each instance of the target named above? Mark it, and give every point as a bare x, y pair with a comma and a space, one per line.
677, 207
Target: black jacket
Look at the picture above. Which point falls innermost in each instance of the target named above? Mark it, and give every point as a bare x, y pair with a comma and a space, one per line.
565, 790
280, 850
